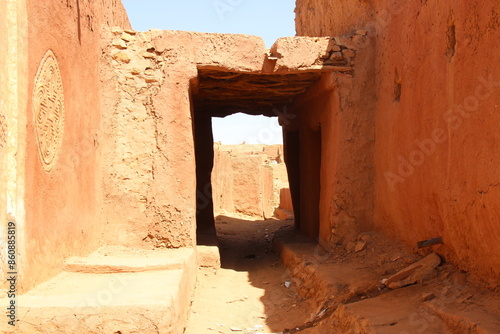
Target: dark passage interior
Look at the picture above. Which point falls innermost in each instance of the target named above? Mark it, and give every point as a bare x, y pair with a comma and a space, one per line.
310, 186
218, 93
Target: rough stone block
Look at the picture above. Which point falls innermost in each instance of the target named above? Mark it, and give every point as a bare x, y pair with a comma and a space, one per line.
416, 272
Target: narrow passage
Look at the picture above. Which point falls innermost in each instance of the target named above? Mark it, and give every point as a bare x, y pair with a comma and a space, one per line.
249, 294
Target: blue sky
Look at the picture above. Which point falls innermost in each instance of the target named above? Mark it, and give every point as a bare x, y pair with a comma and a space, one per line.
269, 19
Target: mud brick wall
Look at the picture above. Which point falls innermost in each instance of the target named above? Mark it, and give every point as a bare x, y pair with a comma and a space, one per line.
50, 112
247, 180
426, 90
146, 175
149, 172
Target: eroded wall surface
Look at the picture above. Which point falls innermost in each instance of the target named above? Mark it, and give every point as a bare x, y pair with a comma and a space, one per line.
329, 147
149, 174
427, 81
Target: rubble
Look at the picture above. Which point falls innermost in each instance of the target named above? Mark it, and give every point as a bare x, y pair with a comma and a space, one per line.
415, 273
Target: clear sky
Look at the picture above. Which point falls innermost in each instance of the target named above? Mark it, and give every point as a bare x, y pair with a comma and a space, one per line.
269, 19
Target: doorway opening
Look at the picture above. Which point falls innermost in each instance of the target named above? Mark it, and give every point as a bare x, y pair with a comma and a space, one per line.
248, 180
249, 172
240, 178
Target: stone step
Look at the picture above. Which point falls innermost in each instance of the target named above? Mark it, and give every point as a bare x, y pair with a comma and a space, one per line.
349, 295
145, 299
479, 314
283, 214
116, 260
395, 312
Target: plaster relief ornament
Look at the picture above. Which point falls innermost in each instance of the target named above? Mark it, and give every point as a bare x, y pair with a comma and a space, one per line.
48, 110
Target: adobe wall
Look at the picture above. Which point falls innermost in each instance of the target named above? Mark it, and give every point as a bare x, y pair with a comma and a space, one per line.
248, 184
329, 148
426, 87
247, 179
54, 47
149, 174
285, 200
222, 181
13, 96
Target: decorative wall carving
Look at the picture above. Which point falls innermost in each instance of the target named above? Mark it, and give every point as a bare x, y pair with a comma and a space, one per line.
48, 109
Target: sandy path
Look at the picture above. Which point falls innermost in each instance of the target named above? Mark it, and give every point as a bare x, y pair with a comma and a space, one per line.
248, 293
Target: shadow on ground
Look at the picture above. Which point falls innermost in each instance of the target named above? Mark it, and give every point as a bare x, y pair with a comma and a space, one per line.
246, 246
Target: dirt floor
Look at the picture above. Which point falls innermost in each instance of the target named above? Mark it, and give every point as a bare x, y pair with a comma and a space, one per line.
248, 294
345, 292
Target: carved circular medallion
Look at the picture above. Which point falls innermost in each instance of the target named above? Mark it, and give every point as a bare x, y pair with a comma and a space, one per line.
48, 109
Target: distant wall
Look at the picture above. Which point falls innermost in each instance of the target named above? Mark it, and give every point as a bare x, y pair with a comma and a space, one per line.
286, 200
248, 184
222, 182
422, 115
247, 180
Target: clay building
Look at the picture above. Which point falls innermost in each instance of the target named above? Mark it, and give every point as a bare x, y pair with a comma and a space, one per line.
389, 110
250, 180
